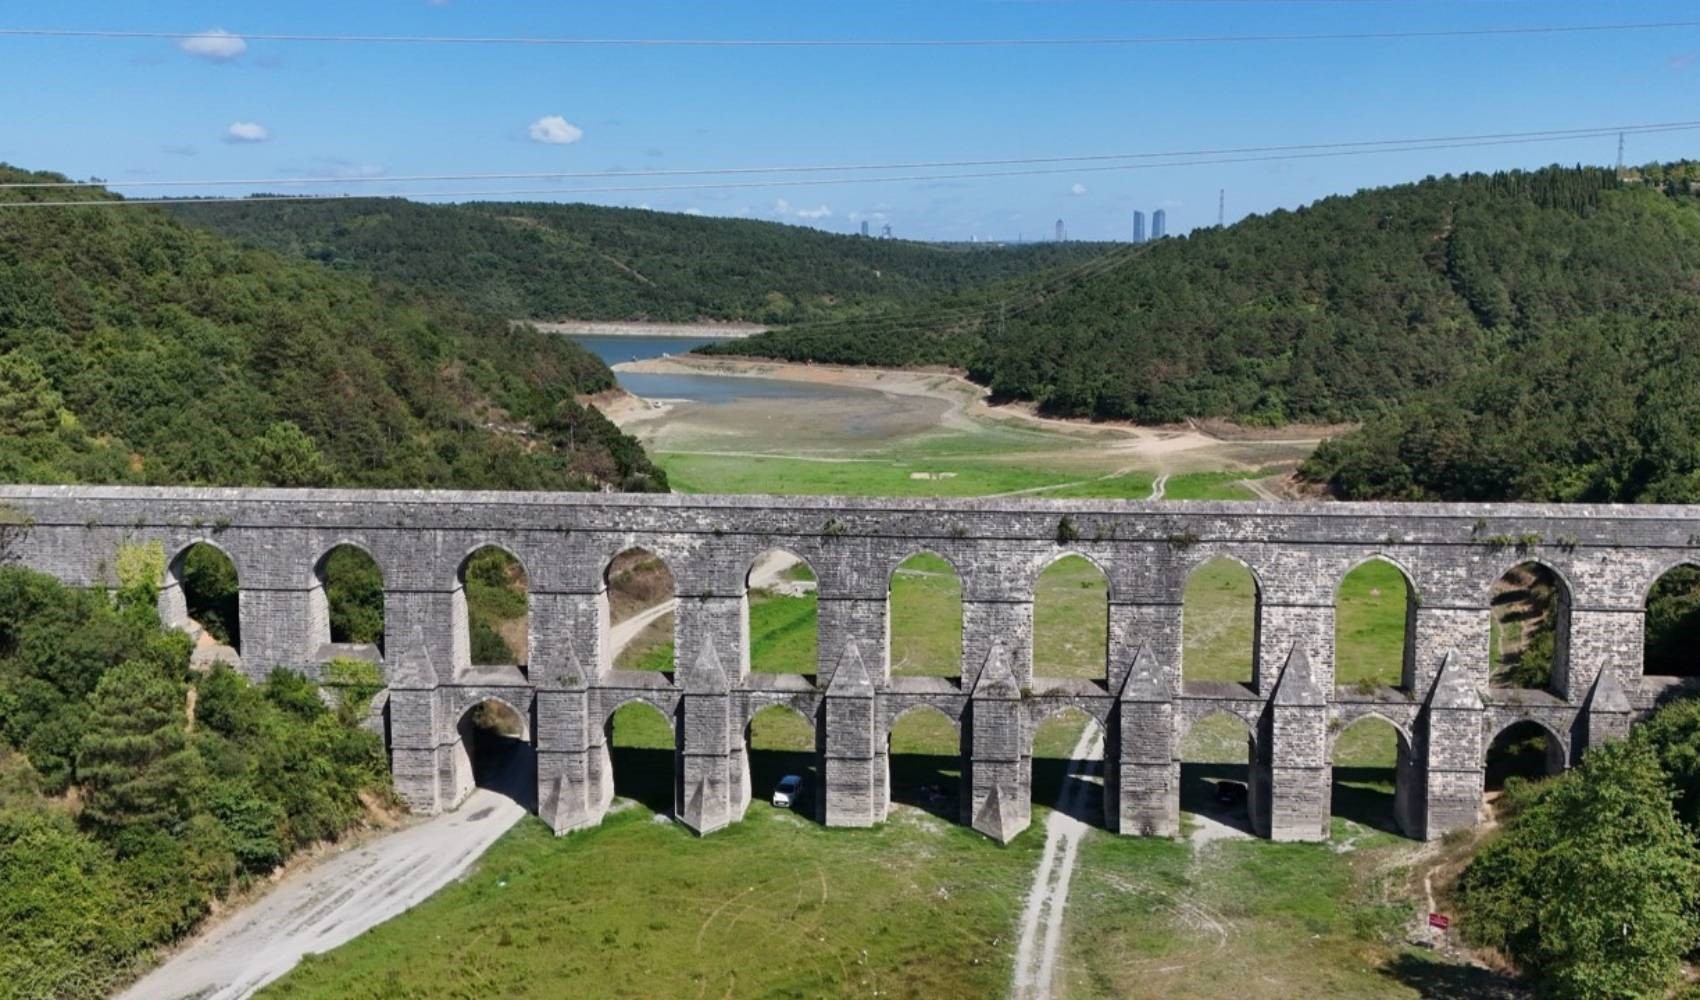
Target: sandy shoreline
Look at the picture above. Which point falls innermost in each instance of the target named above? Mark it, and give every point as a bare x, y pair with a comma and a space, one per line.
952, 385
597, 328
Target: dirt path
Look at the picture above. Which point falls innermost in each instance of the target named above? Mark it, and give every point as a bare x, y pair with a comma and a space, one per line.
1159, 486
1263, 492
1042, 917
622, 633
330, 902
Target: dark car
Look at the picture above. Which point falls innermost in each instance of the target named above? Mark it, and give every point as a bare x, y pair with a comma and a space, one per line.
1230, 792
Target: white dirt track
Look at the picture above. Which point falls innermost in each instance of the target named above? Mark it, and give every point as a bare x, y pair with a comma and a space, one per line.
330, 902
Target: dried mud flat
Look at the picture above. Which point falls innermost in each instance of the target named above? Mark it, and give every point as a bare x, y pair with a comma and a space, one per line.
877, 408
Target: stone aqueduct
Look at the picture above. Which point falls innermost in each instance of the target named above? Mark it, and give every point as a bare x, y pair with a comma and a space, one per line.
1445, 712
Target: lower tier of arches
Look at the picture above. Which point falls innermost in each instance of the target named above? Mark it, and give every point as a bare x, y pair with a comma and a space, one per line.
974, 758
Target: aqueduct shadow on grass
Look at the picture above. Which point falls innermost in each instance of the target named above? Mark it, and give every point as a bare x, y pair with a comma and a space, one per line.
591, 561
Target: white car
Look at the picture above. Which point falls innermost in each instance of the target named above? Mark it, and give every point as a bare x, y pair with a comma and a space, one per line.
788, 791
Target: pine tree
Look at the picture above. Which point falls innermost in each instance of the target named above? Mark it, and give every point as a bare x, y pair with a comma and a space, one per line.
135, 763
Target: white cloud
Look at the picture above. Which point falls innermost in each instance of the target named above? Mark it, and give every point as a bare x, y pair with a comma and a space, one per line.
246, 132
216, 44
781, 207
1077, 190
693, 211
555, 131
814, 213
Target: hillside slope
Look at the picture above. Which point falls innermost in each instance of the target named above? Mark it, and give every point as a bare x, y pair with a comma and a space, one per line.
1525, 335
546, 261
134, 348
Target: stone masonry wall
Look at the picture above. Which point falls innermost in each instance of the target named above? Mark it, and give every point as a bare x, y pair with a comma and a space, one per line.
1606, 556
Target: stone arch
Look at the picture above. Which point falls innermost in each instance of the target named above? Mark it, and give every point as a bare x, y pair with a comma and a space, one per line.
485, 635
1071, 619
201, 593
347, 603
913, 643
779, 615
1066, 764
922, 708
1671, 621
1364, 655
1221, 643
1398, 728
924, 759
495, 749
1529, 617
1362, 772
1217, 757
632, 763
1506, 751
790, 749
640, 592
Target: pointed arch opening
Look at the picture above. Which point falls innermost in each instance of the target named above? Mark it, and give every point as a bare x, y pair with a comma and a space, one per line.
924, 616
781, 615
1217, 754
1375, 631
637, 606
1220, 624
1071, 621
202, 595
1523, 751
780, 742
1068, 764
1530, 610
492, 609
924, 762
347, 601
1373, 775
496, 752
1671, 640
642, 745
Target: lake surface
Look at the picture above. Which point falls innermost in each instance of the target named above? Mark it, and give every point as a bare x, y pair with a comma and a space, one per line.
711, 389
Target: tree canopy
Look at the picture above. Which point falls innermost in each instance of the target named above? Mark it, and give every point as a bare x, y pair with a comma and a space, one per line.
134, 348
542, 261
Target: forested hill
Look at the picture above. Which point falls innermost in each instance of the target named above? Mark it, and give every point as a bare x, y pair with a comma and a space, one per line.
1527, 335
134, 348
545, 261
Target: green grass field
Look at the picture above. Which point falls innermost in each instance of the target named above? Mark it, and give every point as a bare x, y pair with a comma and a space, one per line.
773, 906
1245, 919
1070, 620
923, 476
926, 618
1369, 626
1218, 621
891, 477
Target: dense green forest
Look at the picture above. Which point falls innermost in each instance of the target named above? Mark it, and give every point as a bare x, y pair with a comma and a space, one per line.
546, 261
1525, 335
1591, 883
134, 793
134, 348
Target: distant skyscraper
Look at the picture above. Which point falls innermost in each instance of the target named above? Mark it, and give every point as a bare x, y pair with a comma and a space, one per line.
885, 231
1138, 226
864, 227
1159, 224
1062, 231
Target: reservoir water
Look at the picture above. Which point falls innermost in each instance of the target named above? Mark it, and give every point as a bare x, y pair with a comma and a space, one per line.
697, 388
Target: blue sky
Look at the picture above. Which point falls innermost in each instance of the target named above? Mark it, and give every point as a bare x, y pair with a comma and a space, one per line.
146, 109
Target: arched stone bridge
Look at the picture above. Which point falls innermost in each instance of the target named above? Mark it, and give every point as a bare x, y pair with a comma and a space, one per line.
1606, 556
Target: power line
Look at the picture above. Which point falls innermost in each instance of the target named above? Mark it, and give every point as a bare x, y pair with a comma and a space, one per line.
818, 181
1127, 40
1540, 134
